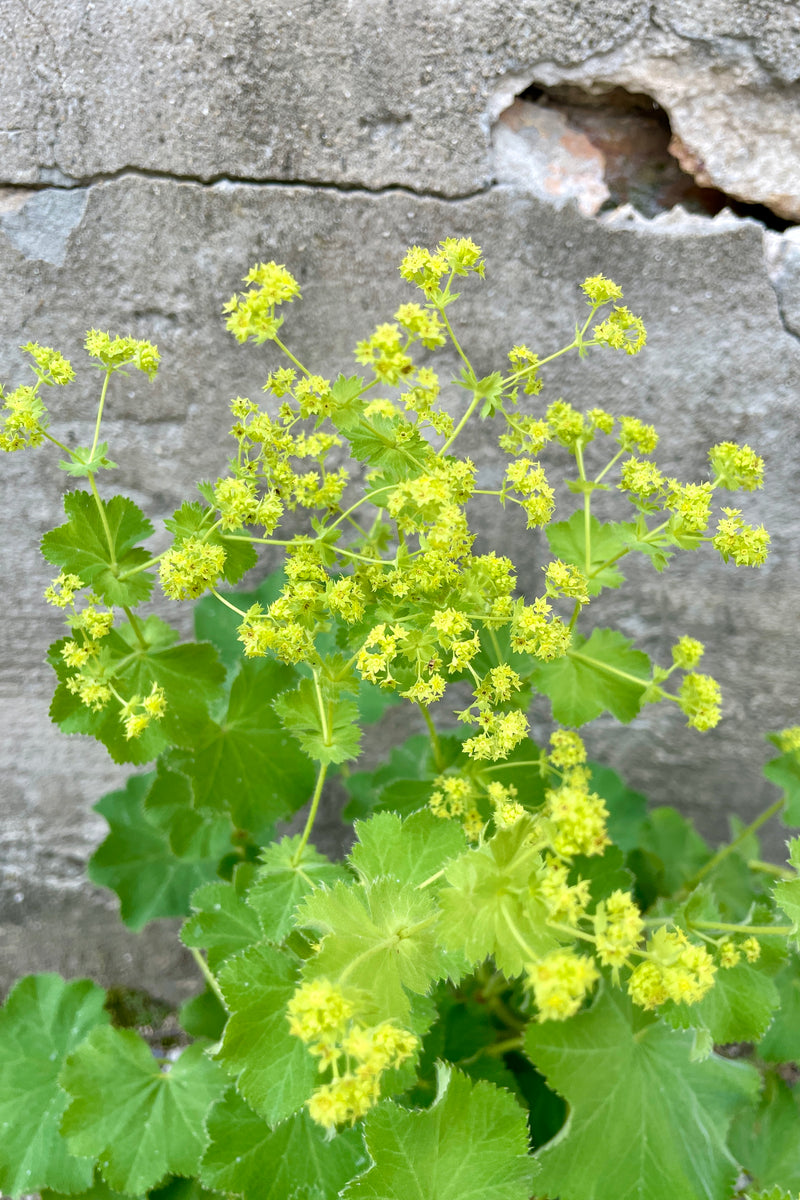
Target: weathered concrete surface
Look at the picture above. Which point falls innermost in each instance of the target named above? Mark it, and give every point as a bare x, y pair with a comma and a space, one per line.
384, 92
398, 99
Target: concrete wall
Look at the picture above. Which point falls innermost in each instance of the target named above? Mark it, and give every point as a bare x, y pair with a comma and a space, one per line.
149, 153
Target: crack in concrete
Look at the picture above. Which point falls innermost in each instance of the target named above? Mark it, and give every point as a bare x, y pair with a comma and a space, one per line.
224, 180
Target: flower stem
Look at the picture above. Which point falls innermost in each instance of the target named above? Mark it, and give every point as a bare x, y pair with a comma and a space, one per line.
298, 854
724, 851
208, 975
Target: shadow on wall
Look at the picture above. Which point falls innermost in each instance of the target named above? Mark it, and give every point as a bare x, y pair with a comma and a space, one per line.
605, 149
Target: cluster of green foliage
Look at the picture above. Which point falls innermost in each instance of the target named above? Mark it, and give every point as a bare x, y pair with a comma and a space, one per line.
519, 980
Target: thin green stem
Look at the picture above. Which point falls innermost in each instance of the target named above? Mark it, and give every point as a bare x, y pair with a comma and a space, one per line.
208, 975
135, 626
724, 851
476, 399
104, 520
515, 933
454, 339
431, 879
436, 745
609, 465
143, 566
290, 356
298, 854
227, 603
768, 868
723, 927
99, 415
56, 442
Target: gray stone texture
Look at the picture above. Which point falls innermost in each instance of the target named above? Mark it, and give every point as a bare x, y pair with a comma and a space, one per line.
331, 136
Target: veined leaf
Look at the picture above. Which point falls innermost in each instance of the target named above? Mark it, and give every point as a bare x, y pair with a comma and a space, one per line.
137, 860
766, 1140
471, 1144
787, 892
80, 547
247, 765
44, 1019
784, 772
281, 883
410, 850
142, 1121
332, 738
384, 937
645, 1123
603, 674
221, 923
276, 1073
294, 1159
488, 906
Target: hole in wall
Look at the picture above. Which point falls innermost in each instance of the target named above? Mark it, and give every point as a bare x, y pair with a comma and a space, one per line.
626, 139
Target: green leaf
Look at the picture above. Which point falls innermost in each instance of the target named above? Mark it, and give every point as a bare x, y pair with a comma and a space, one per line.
99, 1190
767, 1140
83, 462
738, 1008
80, 547
337, 740
410, 850
595, 676
140, 1119
281, 883
43, 1020
384, 936
191, 676
781, 1043
203, 1016
221, 923
645, 1123
627, 810
784, 772
471, 1144
632, 536
246, 765
568, 542
489, 906
677, 847
390, 444
137, 861
787, 892
193, 519
295, 1159
275, 1071
404, 783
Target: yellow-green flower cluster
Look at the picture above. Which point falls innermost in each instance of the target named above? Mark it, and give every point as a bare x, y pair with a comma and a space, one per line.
525, 435
674, 969
453, 796
743, 543
565, 901
621, 330
26, 419
534, 631
560, 982
117, 352
567, 749
577, 819
736, 467
507, 809
51, 366
137, 713
453, 256
356, 1054
700, 699
528, 480
642, 478
618, 929
525, 365
252, 313
691, 504
788, 739
600, 290
564, 579
190, 567
61, 592
385, 352
635, 435
687, 652
566, 424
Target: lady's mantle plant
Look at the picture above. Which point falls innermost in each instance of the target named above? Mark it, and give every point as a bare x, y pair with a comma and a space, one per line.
514, 983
